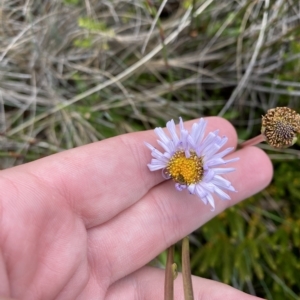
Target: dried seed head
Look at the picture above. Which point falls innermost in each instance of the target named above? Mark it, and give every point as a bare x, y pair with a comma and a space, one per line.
281, 127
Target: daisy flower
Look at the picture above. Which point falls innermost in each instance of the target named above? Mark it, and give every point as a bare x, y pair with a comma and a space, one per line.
193, 161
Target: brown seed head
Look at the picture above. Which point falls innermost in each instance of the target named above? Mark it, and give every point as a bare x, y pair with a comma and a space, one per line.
281, 127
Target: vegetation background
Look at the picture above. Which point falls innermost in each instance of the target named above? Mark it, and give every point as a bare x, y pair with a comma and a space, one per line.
78, 71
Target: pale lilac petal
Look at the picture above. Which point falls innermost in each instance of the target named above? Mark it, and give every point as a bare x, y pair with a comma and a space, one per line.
209, 151
209, 175
207, 186
209, 139
191, 142
156, 154
181, 124
187, 153
155, 166
184, 134
161, 134
172, 130
149, 146
223, 170
167, 155
198, 131
155, 161
204, 200
211, 201
214, 162
167, 147
231, 188
222, 182
192, 188
180, 187
223, 141
200, 192
219, 161
231, 160
224, 152
221, 194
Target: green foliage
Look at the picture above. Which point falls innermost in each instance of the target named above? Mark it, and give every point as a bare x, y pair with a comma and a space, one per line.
83, 43
72, 2
93, 25
258, 240
231, 115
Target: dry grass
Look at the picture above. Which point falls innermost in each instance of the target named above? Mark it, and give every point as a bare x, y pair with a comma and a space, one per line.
76, 73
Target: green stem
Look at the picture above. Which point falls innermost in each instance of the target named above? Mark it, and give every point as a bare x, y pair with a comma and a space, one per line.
169, 277
186, 270
193, 18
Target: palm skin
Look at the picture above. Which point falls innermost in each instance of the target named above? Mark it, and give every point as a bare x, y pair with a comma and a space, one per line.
82, 224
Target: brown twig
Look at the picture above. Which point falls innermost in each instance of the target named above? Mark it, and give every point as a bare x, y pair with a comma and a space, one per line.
186, 270
169, 278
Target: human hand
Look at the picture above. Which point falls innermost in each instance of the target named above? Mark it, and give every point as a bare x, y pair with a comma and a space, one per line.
82, 224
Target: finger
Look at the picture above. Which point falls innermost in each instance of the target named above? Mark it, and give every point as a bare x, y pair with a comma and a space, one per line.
148, 283
101, 179
4, 282
165, 216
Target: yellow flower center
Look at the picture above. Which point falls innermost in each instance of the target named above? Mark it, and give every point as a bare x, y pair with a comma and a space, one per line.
185, 170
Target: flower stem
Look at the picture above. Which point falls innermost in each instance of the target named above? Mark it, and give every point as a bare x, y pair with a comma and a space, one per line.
169, 277
186, 270
254, 141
